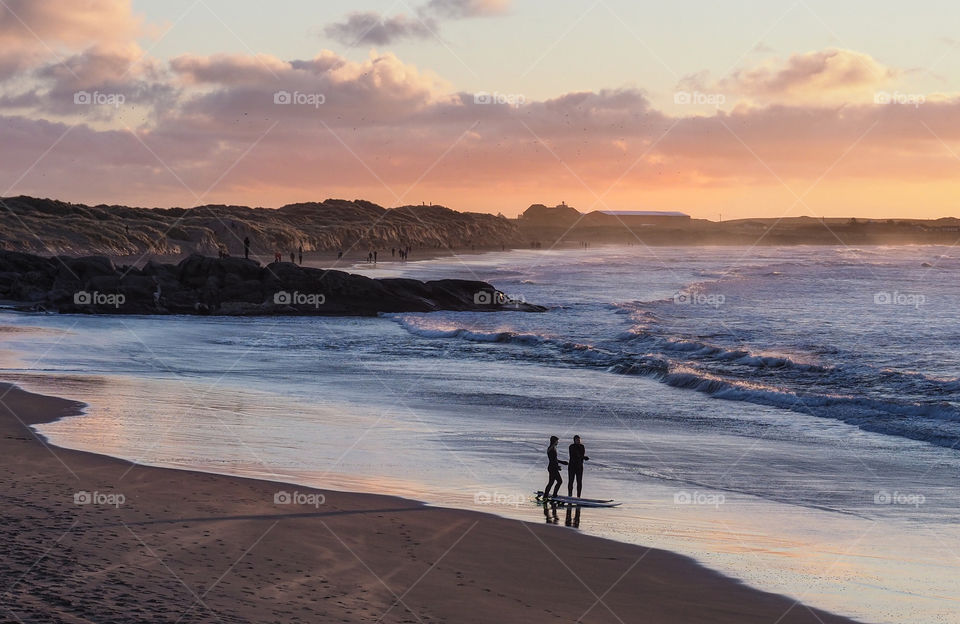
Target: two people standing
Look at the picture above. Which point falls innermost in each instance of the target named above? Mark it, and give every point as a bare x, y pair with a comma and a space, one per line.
577, 455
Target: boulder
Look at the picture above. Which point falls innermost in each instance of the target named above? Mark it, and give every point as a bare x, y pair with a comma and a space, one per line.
227, 286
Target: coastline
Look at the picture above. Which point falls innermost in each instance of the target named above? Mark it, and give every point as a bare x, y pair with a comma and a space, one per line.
211, 547
325, 259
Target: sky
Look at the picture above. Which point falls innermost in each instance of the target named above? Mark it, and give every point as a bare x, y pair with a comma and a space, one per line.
733, 109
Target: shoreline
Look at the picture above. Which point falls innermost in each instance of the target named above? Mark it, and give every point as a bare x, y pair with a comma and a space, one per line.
211, 546
328, 260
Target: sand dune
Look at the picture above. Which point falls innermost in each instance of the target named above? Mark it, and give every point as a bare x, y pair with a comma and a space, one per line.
54, 227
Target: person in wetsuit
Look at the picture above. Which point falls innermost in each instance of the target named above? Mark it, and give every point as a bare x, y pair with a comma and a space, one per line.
575, 466
553, 467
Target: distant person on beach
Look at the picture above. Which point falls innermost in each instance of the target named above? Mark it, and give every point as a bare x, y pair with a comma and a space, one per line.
339, 254
300, 251
553, 467
393, 252
246, 247
278, 257
575, 466
293, 258
374, 257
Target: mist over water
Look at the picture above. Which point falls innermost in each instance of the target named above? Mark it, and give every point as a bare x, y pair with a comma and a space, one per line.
787, 416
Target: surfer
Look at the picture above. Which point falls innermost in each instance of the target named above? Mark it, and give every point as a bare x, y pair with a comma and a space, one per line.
575, 466
553, 467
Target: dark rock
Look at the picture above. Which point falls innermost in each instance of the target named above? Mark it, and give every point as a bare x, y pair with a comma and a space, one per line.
228, 286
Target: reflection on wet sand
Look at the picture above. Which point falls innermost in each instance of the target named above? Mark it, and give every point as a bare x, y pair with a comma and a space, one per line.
572, 518
550, 512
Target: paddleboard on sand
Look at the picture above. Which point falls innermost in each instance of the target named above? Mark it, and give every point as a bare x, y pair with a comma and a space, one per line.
581, 502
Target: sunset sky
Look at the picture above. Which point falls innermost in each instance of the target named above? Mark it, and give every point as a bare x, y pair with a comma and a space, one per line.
742, 108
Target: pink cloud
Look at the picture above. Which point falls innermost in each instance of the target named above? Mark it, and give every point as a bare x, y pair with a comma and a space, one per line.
216, 121
67, 22
826, 76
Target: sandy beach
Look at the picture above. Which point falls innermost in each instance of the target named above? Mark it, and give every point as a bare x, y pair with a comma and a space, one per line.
158, 545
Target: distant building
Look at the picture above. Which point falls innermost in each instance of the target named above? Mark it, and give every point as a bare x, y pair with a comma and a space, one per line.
561, 215
638, 217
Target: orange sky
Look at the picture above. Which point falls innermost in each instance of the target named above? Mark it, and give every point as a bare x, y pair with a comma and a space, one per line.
91, 114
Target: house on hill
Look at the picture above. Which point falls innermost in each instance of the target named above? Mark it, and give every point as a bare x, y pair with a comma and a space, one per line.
561, 215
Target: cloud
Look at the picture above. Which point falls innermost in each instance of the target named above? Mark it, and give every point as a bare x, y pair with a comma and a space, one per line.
761, 47
380, 89
822, 75
68, 21
370, 28
227, 69
373, 28
349, 127
52, 51
469, 150
34, 32
96, 84
459, 9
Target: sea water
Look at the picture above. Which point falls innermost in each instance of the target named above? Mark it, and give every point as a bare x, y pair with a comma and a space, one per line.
788, 416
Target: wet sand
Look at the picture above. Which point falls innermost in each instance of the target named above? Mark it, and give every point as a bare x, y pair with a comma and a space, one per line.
160, 545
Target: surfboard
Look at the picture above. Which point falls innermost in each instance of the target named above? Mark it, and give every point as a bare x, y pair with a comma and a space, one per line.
580, 502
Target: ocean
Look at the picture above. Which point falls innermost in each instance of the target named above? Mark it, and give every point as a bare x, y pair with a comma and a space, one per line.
788, 416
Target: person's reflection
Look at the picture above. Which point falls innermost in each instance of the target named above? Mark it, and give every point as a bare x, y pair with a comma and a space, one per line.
550, 512
575, 520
